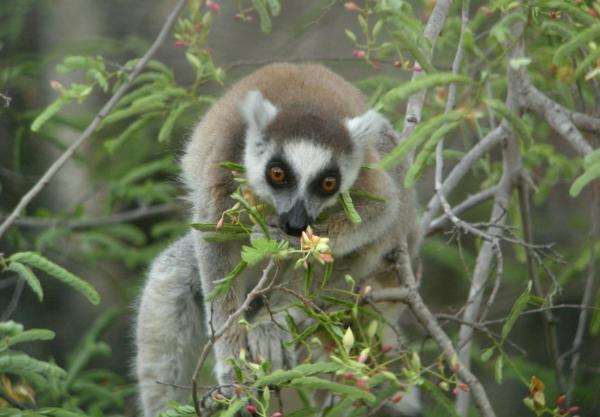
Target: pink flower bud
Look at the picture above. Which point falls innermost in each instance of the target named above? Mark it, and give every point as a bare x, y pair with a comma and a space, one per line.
277, 414
213, 7
455, 367
560, 401
396, 398
251, 409
385, 348
417, 68
351, 6
359, 53
56, 85
573, 410
463, 387
181, 44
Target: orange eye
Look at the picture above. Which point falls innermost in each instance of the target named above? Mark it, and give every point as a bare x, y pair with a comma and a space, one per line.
277, 175
329, 184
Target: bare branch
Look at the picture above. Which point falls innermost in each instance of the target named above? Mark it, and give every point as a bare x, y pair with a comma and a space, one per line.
426, 318
470, 201
458, 172
414, 106
110, 104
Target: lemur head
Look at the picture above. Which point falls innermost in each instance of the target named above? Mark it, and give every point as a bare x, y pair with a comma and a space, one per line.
299, 158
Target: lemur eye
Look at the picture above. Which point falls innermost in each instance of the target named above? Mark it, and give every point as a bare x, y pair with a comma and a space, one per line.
329, 184
277, 175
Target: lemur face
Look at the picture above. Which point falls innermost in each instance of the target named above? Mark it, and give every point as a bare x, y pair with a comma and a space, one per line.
298, 159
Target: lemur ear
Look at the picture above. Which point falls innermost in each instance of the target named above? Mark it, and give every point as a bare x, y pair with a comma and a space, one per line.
257, 110
366, 127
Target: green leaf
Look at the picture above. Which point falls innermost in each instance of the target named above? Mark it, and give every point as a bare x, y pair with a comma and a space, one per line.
487, 354
234, 407
226, 227
348, 206
24, 365
591, 159
581, 40
516, 310
350, 35
167, 128
314, 383
265, 19
32, 335
407, 40
29, 277
50, 111
233, 166
38, 261
589, 61
10, 328
427, 81
589, 175
223, 285
518, 125
274, 7
366, 195
420, 162
498, 369
261, 249
421, 133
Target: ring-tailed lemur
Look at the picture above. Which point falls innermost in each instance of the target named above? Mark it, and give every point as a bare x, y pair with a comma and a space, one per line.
303, 133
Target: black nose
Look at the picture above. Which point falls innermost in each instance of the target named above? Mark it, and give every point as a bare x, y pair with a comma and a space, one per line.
296, 220
294, 230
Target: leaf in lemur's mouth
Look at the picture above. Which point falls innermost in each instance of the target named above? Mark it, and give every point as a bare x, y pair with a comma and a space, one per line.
348, 206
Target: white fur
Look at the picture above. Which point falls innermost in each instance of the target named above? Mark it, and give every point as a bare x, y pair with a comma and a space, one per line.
307, 160
258, 112
365, 127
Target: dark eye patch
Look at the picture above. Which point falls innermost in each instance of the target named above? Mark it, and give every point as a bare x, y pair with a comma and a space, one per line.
279, 166
316, 186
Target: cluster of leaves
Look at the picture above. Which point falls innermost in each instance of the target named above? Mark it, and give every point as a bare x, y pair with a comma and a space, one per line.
34, 388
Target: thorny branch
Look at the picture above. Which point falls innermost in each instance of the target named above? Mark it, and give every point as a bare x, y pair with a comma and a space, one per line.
87, 133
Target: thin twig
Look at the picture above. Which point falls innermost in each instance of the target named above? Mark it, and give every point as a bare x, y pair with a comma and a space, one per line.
588, 295
548, 319
110, 104
117, 218
259, 289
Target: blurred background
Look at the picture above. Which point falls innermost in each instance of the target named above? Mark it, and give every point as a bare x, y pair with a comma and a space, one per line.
73, 220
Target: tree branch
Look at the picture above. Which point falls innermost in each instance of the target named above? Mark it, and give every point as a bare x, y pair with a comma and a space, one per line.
258, 290
426, 318
117, 218
110, 104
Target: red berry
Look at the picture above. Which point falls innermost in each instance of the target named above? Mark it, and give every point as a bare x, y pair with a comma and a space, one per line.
396, 398
213, 7
251, 409
348, 375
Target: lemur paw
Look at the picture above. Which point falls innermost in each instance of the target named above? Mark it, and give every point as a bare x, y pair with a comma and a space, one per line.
267, 340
